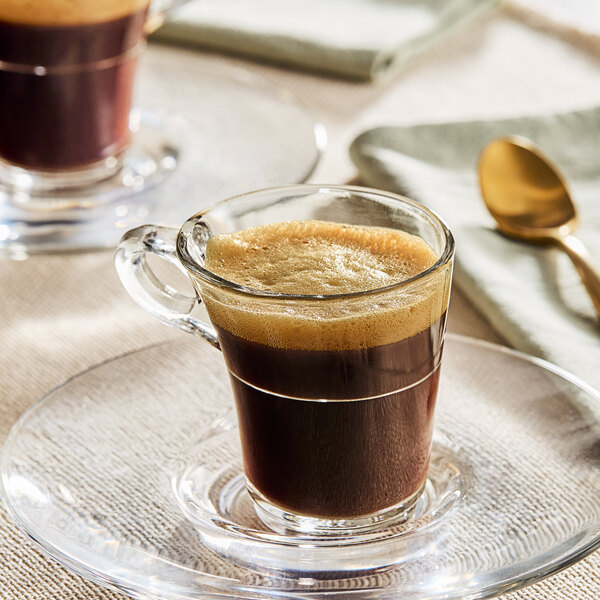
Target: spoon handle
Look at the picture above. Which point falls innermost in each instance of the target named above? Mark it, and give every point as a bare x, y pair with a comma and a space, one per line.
581, 258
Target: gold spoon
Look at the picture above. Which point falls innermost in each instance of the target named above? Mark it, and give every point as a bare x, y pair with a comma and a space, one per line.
530, 201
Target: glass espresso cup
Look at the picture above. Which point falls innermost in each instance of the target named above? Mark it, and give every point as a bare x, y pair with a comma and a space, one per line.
335, 394
66, 81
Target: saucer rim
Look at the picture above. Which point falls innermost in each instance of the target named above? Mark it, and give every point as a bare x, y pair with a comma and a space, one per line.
222, 585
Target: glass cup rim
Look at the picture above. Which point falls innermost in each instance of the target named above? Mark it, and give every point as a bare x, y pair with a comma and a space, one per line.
209, 277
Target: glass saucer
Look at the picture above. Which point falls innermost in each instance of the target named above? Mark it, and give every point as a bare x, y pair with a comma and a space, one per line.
129, 474
204, 132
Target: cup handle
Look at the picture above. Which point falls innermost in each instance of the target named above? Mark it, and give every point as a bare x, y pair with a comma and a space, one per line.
157, 13
139, 280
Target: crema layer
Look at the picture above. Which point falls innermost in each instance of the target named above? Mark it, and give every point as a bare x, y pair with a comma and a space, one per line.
67, 12
324, 259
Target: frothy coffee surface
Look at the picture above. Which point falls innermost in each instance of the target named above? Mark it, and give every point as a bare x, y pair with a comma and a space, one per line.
315, 257
67, 12
321, 258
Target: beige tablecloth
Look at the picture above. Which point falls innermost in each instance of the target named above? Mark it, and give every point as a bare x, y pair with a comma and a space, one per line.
61, 314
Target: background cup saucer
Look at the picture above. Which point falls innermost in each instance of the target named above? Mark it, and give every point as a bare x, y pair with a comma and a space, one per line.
200, 123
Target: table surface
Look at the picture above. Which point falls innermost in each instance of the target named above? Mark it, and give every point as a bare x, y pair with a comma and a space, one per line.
63, 313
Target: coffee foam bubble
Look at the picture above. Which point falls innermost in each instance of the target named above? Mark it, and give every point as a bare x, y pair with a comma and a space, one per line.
318, 258
67, 12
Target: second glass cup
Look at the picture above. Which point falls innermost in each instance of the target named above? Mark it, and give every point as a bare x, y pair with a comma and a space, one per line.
335, 393
67, 72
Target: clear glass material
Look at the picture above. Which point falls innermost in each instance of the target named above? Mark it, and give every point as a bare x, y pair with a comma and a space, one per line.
192, 158
67, 75
98, 471
78, 166
335, 394
65, 105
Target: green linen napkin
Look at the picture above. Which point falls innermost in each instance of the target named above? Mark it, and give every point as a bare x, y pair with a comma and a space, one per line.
531, 295
353, 38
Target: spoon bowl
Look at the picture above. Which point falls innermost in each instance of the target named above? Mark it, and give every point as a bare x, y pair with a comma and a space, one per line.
529, 199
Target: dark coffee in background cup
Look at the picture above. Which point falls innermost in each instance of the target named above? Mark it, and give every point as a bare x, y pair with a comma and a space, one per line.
66, 80
335, 412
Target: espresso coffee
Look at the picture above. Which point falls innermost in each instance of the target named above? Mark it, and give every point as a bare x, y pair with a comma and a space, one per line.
335, 397
66, 86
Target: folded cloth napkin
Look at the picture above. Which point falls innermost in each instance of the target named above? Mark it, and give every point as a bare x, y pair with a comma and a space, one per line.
354, 38
531, 295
